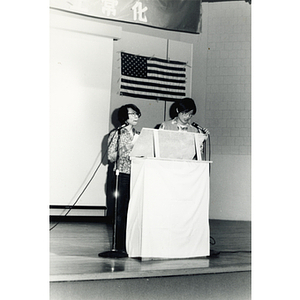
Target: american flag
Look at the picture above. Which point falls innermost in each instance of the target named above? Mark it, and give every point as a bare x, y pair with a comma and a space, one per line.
152, 78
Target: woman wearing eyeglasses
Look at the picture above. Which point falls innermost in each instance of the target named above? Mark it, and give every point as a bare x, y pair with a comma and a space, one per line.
120, 143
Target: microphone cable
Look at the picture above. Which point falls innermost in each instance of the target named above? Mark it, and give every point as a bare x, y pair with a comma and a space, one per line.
216, 253
86, 186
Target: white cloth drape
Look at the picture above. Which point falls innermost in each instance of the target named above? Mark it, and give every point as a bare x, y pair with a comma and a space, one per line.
168, 209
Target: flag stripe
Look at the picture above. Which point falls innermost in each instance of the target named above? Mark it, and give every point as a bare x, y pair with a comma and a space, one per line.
153, 83
166, 61
178, 81
152, 78
147, 90
157, 78
166, 67
159, 72
148, 96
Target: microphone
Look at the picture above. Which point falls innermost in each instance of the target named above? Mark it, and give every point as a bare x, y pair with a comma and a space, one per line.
123, 125
203, 130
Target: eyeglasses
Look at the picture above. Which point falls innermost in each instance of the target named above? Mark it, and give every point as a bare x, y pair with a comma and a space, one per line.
187, 114
133, 114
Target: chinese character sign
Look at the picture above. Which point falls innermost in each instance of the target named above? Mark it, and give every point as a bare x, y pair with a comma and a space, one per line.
178, 15
109, 7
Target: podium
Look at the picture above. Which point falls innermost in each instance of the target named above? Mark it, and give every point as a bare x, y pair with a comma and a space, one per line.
168, 213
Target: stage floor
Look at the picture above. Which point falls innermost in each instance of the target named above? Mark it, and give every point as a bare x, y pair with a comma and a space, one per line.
74, 248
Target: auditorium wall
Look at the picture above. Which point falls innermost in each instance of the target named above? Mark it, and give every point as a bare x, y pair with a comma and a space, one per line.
228, 107
220, 86
80, 81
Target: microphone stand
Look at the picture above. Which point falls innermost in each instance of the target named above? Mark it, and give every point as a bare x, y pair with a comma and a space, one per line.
114, 253
204, 150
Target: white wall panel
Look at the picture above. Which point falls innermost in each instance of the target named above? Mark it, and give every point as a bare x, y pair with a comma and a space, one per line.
80, 81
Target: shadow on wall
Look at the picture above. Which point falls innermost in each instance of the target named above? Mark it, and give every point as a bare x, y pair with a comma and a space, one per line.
110, 175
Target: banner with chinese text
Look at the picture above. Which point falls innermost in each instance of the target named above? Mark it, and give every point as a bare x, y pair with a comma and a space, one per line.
177, 15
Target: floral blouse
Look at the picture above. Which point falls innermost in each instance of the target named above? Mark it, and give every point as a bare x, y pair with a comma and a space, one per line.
124, 163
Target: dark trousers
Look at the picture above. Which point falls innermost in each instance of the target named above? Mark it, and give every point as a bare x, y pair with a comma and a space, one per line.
122, 208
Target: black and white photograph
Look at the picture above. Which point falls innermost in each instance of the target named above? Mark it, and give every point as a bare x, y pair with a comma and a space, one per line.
150, 130
142, 174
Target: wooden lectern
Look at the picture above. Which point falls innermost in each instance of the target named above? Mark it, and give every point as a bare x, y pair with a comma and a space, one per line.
168, 214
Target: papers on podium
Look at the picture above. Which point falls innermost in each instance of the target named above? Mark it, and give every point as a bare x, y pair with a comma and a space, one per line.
168, 144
